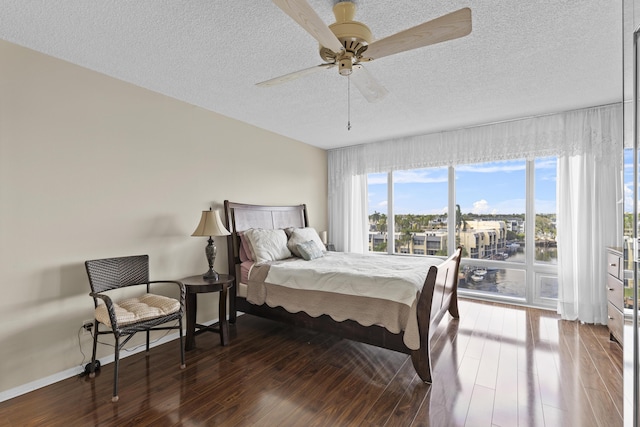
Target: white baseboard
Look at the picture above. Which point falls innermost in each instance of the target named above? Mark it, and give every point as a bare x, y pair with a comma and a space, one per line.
72, 372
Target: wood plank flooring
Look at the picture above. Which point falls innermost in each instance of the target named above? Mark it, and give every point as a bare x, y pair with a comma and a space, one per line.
497, 365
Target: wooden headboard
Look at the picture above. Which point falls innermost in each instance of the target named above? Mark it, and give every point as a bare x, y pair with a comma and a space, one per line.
241, 217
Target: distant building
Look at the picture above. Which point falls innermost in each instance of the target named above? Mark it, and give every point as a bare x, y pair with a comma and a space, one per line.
421, 243
481, 239
515, 225
485, 239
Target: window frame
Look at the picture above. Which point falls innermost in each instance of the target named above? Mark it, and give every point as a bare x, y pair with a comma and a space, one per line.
534, 272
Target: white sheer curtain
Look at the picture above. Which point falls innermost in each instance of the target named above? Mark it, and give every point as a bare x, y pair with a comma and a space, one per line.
347, 212
589, 191
588, 143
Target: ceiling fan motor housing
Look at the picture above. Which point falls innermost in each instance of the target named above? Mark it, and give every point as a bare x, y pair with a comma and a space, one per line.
354, 36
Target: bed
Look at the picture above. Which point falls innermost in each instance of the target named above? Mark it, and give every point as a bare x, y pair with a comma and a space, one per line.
431, 299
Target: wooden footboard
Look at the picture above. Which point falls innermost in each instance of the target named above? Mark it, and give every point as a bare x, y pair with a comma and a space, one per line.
439, 293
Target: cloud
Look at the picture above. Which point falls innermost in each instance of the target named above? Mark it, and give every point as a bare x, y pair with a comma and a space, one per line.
421, 176
505, 207
480, 207
376, 178
493, 167
545, 206
547, 163
628, 196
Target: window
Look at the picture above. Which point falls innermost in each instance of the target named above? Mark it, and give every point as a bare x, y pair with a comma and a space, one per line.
489, 197
504, 255
378, 194
545, 208
420, 211
490, 210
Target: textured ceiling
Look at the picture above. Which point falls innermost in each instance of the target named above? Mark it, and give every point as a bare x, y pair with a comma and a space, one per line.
521, 59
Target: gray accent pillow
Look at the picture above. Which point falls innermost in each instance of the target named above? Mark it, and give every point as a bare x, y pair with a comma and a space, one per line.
301, 235
309, 250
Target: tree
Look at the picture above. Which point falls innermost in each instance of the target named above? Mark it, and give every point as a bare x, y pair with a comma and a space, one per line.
380, 247
406, 238
461, 225
382, 224
460, 221
544, 226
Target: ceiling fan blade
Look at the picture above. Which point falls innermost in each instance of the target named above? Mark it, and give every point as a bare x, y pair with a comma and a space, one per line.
447, 27
301, 12
295, 75
368, 86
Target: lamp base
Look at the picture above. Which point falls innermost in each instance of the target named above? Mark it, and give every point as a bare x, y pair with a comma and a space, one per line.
211, 275
210, 252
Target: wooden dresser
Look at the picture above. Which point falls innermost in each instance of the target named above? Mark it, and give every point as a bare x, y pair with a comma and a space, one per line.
615, 293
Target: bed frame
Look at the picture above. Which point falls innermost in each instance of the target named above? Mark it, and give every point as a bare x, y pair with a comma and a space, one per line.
438, 295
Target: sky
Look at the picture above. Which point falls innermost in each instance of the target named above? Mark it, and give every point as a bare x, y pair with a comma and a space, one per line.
628, 180
487, 188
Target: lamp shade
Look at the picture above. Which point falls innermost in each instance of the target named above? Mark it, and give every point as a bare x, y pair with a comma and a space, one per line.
210, 225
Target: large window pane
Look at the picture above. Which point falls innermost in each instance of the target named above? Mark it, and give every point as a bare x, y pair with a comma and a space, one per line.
490, 210
507, 282
490, 225
545, 207
420, 211
548, 287
377, 189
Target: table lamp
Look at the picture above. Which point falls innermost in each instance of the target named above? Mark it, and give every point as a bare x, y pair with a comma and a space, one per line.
210, 225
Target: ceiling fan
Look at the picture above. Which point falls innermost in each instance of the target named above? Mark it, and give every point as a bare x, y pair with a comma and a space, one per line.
347, 44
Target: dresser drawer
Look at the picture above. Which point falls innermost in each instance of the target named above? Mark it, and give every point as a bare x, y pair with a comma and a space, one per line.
614, 264
616, 322
615, 292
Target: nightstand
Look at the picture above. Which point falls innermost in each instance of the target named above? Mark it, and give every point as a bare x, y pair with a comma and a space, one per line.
195, 285
615, 293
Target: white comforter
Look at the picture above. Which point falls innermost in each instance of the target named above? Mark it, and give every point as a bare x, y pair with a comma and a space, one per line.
369, 289
394, 278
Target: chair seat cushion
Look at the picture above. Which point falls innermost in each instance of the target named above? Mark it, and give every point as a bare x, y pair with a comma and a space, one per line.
138, 309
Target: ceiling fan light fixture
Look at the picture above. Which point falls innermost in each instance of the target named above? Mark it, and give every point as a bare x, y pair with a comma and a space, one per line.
345, 66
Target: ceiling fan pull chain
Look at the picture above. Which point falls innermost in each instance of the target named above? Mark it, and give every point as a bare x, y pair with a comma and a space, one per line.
349, 102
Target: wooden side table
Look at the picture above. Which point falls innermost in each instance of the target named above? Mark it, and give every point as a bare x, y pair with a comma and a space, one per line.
197, 285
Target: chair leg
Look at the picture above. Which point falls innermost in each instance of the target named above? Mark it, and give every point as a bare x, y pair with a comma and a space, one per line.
92, 367
148, 336
116, 363
182, 364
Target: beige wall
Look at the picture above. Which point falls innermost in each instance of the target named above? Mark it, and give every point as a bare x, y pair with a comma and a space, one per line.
93, 167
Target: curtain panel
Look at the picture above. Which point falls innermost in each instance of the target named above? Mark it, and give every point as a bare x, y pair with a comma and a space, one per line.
588, 144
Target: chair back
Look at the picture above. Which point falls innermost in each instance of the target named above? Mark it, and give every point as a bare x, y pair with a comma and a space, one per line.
113, 273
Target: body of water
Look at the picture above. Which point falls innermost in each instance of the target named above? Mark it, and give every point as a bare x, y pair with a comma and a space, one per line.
508, 282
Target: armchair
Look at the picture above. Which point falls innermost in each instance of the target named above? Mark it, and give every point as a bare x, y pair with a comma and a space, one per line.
125, 318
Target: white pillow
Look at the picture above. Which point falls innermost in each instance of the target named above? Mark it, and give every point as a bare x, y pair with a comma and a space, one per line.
268, 245
301, 235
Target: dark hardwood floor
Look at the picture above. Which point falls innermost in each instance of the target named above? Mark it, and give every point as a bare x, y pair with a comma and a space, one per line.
496, 366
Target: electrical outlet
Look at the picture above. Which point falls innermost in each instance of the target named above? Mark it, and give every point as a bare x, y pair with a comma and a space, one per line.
87, 327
